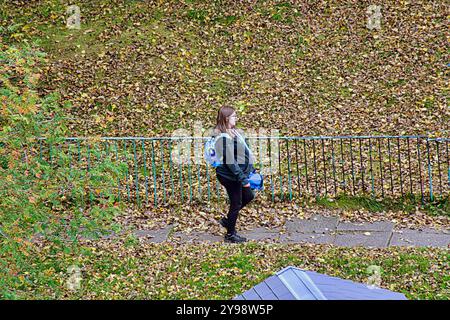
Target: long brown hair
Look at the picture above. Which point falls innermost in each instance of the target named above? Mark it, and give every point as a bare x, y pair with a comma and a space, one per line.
222, 119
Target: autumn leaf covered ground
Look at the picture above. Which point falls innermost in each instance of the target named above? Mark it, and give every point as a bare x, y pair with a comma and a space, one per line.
146, 68
128, 269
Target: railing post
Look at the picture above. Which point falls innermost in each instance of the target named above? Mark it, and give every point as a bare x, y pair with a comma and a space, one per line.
289, 169
171, 167
279, 169
118, 176
371, 168
381, 167
270, 164
420, 171
362, 166
155, 195
136, 174
410, 172
126, 161
306, 166
399, 166
145, 171
430, 175
298, 173
448, 164
324, 167
390, 166
315, 169
162, 170
439, 167
342, 165
334, 167
353, 170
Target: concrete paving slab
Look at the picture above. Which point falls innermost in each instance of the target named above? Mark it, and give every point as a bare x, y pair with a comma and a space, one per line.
415, 238
385, 226
316, 224
261, 234
431, 230
366, 239
317, 238
195, 237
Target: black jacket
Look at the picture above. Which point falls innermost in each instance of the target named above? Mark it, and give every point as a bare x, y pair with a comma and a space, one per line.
237, 162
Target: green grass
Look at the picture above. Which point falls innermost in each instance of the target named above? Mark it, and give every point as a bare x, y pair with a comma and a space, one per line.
67, 41
221, 271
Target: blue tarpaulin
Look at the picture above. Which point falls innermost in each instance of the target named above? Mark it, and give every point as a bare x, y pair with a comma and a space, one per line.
293, 283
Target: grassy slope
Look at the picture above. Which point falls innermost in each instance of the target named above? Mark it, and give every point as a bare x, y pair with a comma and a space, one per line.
142, 68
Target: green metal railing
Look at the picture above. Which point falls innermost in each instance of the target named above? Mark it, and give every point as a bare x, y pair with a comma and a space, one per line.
293, 167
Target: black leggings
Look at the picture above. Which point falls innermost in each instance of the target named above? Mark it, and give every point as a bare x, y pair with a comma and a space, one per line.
239, 197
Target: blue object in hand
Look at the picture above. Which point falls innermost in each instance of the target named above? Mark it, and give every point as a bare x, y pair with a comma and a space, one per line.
256, 180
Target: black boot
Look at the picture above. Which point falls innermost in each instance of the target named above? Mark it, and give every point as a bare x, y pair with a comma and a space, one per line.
234, 238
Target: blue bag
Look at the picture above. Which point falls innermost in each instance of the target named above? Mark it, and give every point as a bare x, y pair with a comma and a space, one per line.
256, 180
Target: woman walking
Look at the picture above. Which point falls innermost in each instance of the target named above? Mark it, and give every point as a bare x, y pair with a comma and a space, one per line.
237, 163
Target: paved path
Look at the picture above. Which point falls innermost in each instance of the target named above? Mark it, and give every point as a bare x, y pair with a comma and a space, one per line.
321, 230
